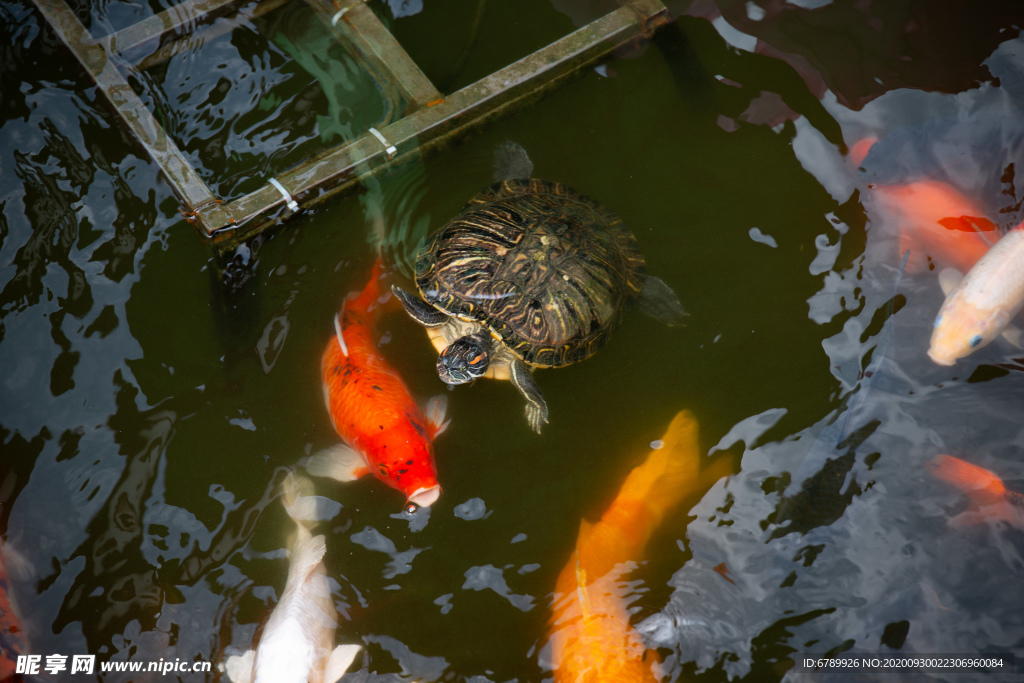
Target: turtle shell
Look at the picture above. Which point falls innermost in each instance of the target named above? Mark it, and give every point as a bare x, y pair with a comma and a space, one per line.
546, 269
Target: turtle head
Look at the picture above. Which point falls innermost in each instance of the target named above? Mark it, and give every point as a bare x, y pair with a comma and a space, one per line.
464, 360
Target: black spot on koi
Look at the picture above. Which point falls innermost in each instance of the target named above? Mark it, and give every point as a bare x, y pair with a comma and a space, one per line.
417, 426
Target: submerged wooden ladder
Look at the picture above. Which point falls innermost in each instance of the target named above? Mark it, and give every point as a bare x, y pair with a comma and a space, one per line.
430, 117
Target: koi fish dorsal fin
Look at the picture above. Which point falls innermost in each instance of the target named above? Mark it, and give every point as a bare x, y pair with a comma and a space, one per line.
339, 662
337, 329
978, 483
239, 667
437, 406
582, 595
307, 557
977, 224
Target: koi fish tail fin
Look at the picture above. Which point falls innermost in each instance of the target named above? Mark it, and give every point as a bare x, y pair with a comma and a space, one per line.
18, 566
306, 550
302, 506
860, 149
378, 269
978, 483
371, 294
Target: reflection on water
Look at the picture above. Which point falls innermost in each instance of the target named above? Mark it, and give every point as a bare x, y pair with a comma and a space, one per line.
149, 408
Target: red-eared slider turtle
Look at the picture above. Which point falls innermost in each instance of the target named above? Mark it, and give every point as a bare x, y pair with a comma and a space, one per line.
530, 274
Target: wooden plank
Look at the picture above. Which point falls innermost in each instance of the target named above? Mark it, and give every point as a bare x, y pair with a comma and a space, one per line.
359, 30
93, 57
431, 127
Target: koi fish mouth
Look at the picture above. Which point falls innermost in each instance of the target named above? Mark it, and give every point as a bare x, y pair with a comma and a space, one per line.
940, 359
426, 496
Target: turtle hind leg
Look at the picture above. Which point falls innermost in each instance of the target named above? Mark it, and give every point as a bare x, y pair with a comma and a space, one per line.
418, 309
536, 408
511, 162
659, 301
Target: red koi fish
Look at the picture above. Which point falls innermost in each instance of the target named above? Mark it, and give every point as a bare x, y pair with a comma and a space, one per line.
990, 499
937, 223
372, 410
934, 220
12, 633
591, 638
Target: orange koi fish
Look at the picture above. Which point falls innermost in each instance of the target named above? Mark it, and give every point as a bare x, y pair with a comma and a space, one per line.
937, 222
990, 499
591, 636
372, 410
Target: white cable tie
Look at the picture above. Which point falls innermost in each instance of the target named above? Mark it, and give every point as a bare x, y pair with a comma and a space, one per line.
293, 205
341, 12
388, 147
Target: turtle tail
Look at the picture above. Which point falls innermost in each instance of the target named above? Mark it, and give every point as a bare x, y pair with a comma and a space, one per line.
511, 162
659, 301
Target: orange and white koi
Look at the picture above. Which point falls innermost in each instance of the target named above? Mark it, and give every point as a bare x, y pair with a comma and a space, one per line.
591, 637
296, 644
979, 307
372, 410
990, 499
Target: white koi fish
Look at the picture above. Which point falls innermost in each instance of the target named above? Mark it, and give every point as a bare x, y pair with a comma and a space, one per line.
296, 644
979, 307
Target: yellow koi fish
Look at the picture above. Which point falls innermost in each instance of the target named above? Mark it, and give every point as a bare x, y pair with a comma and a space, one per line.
297, 641
979, 307
591, 637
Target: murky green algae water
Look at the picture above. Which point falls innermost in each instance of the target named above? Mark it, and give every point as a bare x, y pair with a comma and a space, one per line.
148, 409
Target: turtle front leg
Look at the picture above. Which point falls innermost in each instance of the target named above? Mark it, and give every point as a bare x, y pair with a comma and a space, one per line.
420, 310
536, 408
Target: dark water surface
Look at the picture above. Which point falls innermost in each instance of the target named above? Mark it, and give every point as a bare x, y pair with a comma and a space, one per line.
148, 409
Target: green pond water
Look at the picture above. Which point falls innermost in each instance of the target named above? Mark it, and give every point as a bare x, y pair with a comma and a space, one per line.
150, 402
